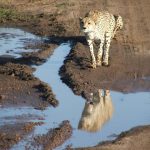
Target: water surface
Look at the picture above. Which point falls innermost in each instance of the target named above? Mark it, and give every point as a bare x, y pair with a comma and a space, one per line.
13, 42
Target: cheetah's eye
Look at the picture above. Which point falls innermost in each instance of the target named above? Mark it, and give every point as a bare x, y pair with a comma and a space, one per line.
82, 22
89, 23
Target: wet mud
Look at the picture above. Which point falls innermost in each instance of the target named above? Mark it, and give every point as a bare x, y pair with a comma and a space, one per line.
54, 137
22, 87
126, 140
127, 73
11, 134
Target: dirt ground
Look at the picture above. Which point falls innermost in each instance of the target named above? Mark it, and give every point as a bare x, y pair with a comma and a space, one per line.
54, 137
129, 69
21, 87
126, 73
129, 55
136, 138
11, 134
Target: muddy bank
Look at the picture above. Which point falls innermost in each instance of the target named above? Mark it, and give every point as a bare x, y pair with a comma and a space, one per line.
45, 50
54, 137
11, 134
126, 73
135, 139
18, 92
21, 87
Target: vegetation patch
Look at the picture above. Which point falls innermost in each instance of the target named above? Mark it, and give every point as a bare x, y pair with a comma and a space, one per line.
10, 14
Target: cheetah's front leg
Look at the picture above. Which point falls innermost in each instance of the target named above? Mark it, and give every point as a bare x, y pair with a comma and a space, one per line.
100, 53
106, 49
90, 43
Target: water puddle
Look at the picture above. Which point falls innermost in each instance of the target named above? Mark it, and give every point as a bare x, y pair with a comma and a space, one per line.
23, 114
13, 42
129, 110
108, 114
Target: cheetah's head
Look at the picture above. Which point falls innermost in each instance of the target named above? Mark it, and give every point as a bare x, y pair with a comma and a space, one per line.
87, 25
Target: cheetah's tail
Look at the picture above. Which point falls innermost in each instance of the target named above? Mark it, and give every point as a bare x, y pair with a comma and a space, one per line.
119, 21
118, 24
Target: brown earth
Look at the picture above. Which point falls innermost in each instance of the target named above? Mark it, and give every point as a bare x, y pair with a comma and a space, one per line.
126, 73
12, 133
130, 52
21, 87
136, 138
54, 137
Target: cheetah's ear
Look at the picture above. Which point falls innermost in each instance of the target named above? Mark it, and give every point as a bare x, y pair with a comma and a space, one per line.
80, 18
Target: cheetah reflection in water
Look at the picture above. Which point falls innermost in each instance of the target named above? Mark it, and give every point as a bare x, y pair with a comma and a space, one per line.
96, 112
100, 26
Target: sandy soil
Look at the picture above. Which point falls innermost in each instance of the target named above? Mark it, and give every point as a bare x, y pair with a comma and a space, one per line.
129, 56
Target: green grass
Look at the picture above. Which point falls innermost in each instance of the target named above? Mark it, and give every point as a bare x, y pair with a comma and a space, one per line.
9, 14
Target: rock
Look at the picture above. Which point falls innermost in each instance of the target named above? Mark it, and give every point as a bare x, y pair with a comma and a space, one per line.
2, 97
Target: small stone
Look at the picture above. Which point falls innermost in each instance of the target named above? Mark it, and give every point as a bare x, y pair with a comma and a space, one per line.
12, 74
28, 92
2, 97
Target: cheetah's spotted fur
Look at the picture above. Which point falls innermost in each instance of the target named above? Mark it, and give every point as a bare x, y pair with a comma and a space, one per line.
100, 25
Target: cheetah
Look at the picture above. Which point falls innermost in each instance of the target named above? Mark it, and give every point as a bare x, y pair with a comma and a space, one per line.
97, 111
100, 26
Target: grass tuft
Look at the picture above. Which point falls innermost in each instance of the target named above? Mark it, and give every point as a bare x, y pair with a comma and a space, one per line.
9, 14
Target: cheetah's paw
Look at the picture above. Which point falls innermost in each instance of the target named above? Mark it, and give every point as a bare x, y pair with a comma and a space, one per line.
93, 65
105, 63
99, 63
